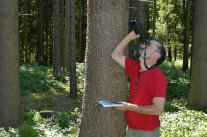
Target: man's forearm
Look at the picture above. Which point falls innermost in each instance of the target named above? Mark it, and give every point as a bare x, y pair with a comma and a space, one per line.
119, 50
148, 110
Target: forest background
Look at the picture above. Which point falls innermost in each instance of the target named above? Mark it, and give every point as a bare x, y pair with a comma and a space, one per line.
46, 67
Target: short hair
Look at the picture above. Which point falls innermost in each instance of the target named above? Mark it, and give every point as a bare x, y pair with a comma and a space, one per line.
162, 51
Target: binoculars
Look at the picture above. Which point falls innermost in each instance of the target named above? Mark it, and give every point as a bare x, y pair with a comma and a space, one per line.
136, 25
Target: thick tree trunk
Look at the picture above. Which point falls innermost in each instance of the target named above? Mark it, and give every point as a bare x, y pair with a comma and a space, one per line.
10, 109
56, 46
73, 83
105, 79
187, 36
198, 94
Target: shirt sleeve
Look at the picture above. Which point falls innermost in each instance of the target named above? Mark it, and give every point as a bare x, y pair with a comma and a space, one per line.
131, 65
158, 85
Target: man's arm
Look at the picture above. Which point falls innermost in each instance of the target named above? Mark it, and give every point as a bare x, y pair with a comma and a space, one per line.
118, 52
155, 109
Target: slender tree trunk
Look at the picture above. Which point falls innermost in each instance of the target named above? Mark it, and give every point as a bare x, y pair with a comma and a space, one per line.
66, 52
73, 83
62, 31
51, 30
10, 109
56, 46
175, 53
83, 37
169, 50
40, 35
198, 94
187, 36
105, 79
80, 32
154, 19
25, 34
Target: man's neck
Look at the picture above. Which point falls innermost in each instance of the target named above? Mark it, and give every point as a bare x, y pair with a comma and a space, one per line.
148, 63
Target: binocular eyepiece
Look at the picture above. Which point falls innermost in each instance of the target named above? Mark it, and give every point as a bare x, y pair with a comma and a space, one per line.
136, 25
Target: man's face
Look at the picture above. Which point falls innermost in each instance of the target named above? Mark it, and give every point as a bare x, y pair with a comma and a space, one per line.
150, 49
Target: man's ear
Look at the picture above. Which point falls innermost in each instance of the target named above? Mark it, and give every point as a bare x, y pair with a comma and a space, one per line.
156, 55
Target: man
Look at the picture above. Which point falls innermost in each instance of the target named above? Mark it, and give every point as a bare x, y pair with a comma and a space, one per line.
147, 87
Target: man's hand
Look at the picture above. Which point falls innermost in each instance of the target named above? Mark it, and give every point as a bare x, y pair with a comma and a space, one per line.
132, 36
155, 109
123, 108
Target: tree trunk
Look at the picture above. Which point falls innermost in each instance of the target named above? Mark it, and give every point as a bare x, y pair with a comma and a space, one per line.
175, 53
198, 94
66, 52
83, 37
40, 35
154, 19
141, 14
62, 31
73, 83
25, 34
56, 46
133, 14
10, 109
169, 50
80, 31
187, 36
105, 79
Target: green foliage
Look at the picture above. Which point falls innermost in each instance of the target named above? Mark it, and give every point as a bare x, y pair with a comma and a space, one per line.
176, 121
183, 122
178, 82
64, 124
26, 130
170, 25
39, 79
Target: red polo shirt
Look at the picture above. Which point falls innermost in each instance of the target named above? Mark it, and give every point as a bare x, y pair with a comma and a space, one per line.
151, 83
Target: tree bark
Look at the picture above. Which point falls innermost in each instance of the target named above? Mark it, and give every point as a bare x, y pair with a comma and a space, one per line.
62, 31
73, 83
10, 109
154, 19
80, 30
83, 37
187, 36
66, 52
198, 94
169, 50
105, 79
56, 46
40, 35
25, 34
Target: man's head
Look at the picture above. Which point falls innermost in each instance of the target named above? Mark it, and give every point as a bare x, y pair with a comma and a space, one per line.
155, 52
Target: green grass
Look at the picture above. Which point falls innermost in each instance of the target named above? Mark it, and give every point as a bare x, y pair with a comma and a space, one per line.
40, 91
178, 120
